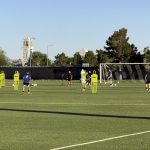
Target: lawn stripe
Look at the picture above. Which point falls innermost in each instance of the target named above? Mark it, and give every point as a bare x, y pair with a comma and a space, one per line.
102, 140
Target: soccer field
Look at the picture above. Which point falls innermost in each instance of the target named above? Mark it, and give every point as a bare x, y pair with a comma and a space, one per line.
56, 117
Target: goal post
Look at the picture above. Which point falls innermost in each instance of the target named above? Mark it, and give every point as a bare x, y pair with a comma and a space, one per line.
123, 71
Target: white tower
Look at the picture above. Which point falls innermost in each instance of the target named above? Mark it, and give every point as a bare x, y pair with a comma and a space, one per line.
27, 49
82, 52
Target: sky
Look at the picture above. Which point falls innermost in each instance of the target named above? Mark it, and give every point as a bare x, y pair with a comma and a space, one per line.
70, 25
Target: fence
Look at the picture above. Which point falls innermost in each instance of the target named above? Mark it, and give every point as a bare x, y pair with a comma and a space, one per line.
46, 72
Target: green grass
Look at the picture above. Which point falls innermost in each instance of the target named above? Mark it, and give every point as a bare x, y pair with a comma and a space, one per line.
55, 116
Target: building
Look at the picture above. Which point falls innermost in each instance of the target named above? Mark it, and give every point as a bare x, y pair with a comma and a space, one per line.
27, 50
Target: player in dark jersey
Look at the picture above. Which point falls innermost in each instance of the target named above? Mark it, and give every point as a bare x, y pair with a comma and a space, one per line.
26, 82
88, 78
109, 78
69, 78
147, 81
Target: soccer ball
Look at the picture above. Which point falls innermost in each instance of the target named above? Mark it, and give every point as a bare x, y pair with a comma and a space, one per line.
33, 84
115, 84
118, 81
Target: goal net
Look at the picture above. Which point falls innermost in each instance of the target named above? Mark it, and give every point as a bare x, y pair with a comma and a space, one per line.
123, 71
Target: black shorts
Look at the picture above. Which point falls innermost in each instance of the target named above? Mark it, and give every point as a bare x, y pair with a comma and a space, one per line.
69, 79
27, 84
147, 82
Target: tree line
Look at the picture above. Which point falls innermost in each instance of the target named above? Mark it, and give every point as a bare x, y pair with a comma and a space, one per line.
117, 49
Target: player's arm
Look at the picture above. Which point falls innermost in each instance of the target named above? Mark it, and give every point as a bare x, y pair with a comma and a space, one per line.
146, 77
108, 77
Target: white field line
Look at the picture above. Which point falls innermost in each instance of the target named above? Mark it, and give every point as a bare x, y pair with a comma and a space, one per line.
84, 104
102, 140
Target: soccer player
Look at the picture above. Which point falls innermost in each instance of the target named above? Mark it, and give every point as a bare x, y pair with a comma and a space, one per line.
1, 80
147, 81
69, 78
16, 81
109, 77
83, 79
88, 78
26, 82
94, 80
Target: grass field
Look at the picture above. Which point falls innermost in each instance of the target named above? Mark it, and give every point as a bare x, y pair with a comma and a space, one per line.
55, 117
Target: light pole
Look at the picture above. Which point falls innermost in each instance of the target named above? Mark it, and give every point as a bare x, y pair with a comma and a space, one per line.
47, 53
30, 57
31, 49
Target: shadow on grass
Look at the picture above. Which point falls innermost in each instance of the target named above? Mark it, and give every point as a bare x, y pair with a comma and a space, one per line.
74, 113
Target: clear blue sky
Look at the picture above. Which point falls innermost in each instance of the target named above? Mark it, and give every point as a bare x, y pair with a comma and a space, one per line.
71, 24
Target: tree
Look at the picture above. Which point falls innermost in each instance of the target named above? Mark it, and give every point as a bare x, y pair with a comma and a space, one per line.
146, 55
77, 60
61, 60
39, 59
90, 58
136, 56
3, 58
102, 56
70, 61
118, 48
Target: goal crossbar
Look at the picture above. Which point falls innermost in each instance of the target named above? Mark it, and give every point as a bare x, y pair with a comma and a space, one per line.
125, 63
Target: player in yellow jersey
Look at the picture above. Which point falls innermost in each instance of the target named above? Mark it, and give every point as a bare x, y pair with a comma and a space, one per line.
94, 81
16, 81
83, 79
0, 80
